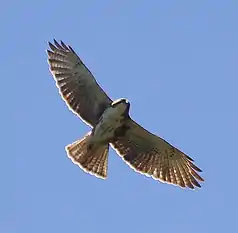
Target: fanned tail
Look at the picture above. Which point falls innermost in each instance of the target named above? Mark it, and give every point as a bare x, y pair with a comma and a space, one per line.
92, 158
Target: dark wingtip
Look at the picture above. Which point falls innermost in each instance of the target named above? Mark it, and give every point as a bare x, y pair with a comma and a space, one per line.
197, 168
71, 49
57, 44
52, 47
201, 179
64, 45
195, 182
55, 41
189, 158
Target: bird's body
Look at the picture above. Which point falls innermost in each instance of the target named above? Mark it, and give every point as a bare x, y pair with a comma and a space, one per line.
111, 120
112, 125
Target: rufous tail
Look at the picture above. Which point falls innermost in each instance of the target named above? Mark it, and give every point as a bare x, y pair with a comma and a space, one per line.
92, 158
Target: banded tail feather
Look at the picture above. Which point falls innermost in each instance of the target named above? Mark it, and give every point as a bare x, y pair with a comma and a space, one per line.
92, 158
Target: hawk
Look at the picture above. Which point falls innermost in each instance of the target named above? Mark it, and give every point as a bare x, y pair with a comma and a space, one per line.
112, 125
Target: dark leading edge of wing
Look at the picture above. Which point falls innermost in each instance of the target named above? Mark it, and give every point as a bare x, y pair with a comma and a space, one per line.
76, 84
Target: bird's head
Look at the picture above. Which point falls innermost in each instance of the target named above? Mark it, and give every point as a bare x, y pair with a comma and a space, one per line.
121, 103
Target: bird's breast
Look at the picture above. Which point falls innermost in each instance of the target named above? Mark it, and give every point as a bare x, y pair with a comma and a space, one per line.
110, 121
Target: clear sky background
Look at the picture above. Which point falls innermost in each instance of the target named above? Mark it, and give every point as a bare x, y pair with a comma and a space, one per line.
176, 61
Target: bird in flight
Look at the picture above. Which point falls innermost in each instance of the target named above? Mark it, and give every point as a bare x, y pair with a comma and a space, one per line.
112, 125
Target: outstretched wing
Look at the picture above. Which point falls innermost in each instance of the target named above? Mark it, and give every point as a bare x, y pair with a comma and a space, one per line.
76, 83
149, 154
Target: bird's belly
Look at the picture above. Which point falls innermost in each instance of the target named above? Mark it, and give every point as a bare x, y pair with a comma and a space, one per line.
105, 129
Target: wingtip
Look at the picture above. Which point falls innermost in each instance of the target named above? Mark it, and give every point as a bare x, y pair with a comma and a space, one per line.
202, 179
192, 160
71, 49
57, 44
197, 169
52, 47
55, 41
64, 45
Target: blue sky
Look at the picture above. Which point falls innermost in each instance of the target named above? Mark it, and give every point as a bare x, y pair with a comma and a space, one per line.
176, 61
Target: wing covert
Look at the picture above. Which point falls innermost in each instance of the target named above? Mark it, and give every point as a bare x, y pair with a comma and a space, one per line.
76, 84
